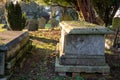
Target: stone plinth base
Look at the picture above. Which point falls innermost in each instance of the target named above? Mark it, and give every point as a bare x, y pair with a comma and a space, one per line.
83, 60
88, 69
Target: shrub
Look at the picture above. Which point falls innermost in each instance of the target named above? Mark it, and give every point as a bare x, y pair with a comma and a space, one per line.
14, 17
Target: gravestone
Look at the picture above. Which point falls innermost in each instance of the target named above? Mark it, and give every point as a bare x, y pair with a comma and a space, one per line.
73, 13
41, 23
116, 20
32, 24
53, 22
81, 48
13, 45
66, 17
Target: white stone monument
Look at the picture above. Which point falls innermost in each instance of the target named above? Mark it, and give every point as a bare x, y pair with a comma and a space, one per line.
81, 48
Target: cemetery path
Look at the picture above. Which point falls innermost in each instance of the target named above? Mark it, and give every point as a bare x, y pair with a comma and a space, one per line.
39, 64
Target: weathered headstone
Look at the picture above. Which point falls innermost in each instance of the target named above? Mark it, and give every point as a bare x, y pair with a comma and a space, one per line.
32, 24
41, 23
81, 48
116, 20
73, 13
66, 17
53, 22
116, 27
13, 45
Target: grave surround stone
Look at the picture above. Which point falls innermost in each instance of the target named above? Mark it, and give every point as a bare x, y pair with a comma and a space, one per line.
41, 23
13, 45
81, 48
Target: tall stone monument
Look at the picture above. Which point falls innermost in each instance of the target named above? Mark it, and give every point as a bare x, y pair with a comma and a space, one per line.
81, 48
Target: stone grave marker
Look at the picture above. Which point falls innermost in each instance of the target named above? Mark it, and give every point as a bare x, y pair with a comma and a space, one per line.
13, 45
53, 22
116, 20
81, 48
32, 24
41, 23
66, 17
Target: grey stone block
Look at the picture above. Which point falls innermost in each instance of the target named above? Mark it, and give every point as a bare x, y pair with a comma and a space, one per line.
81, 48
85, 60
83, 44
88, 69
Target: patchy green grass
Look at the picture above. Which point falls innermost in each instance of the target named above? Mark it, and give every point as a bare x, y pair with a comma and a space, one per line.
109, 52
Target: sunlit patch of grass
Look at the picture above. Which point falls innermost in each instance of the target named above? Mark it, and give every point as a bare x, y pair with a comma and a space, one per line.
45, 38
1, 25
1, 30
108, 52
43, 45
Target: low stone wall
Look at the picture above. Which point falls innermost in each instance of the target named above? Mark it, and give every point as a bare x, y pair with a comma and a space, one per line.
13, 45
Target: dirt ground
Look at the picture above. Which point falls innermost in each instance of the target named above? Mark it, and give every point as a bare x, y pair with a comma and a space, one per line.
40, 62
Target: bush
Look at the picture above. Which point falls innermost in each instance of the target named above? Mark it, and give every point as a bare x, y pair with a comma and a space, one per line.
14, 17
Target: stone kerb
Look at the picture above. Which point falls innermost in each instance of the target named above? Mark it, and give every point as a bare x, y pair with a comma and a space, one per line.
82, 47
14, 44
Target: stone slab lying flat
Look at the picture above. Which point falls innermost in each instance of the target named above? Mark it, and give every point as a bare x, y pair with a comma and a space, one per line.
10, 39
8, 36
88, 69
10, 44
82, 27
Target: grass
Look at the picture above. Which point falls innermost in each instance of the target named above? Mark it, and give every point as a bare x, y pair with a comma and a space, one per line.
40, 63
1, 29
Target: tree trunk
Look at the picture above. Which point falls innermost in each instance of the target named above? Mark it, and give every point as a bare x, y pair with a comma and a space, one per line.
86, 11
